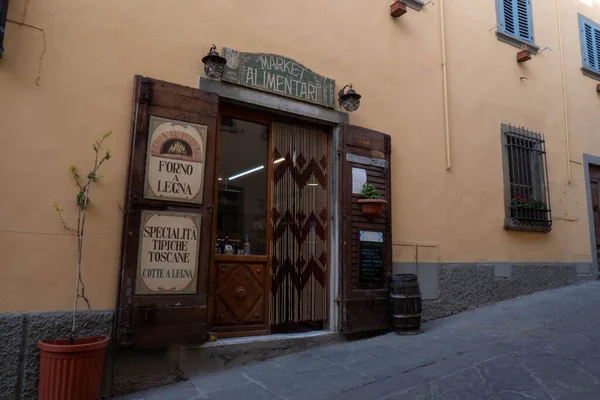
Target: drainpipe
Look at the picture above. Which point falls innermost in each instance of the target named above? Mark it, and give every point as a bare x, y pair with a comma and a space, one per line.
445, 84
564, 90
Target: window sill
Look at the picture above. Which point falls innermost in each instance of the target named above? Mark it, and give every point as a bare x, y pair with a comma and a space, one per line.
414, 4
590, 73
519, 43
513, 224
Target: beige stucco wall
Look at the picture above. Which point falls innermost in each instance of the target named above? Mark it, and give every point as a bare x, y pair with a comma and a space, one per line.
91, 51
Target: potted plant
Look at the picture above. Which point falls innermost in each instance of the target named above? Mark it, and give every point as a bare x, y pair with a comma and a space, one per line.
531, 208
371, 205
71, 368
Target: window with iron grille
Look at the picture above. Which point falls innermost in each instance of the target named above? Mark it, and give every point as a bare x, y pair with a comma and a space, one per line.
515, 23
590, 46
526, 195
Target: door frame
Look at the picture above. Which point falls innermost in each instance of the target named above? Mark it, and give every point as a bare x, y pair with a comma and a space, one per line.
591, 160
278, 104
250, 112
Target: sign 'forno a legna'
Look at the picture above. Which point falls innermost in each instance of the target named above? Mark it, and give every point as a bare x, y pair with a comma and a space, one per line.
280, 75
175, 161
168, 253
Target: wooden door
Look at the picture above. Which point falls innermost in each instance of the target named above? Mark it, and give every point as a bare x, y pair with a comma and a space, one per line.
166, 245
365, 248
595, 188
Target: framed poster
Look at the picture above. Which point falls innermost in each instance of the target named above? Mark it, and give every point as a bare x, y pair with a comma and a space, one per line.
175, 161
168, 253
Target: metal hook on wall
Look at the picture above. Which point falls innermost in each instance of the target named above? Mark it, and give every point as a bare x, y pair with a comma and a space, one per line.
544, 49
495, 27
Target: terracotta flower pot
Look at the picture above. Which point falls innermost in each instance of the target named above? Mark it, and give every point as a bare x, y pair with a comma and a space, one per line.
71, 371
372, 208
397, 9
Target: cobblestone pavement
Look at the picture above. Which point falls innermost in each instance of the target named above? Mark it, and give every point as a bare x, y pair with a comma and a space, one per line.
545, 346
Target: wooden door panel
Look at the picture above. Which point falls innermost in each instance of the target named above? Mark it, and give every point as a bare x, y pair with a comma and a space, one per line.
241, 293
155, 318
364, 304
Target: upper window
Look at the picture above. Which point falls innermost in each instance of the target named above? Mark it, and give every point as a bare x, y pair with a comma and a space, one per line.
515, 23
527, 199
590, 46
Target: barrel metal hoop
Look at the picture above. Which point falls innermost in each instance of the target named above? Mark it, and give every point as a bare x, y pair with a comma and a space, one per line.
404, 296
406, 315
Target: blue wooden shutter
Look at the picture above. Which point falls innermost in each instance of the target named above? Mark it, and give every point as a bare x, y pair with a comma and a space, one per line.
591, 43
508, 17
523, 12
517, 18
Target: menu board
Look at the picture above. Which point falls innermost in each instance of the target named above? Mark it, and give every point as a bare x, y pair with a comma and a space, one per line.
370, 262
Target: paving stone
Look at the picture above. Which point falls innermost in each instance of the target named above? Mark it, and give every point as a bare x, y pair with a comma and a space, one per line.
573, 346
132, 396
387, 362
559, 374
438, 349
248, 391
338, 379
289, 384
177, 391
340, 356
591, 364
500, 371
211, 382
465, 385
380, 389
522, 391
301, 362
422, 392
454, 364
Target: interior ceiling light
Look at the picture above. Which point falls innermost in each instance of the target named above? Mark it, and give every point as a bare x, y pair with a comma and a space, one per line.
245, 173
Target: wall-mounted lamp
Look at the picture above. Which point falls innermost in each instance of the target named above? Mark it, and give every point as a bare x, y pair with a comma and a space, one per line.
214, 64
350, 100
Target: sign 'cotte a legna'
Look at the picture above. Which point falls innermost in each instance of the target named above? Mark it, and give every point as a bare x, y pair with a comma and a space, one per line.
280, 75
175, 161
168, 253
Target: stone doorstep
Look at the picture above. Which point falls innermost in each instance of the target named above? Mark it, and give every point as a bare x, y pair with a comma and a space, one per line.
234, 352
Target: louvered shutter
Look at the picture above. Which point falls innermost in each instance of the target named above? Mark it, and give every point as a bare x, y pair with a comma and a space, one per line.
517, 18
364, 301
591, 42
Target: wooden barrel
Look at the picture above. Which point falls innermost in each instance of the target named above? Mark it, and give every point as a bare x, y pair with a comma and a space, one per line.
406, 306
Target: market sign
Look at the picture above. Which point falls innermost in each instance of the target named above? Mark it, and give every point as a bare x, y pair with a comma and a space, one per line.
280, 75
175, 161
168, 253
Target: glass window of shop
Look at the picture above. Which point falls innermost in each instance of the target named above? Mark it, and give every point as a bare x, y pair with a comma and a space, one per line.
242, 178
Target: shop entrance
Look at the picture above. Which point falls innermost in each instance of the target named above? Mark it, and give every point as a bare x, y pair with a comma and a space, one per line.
270, 263
258, 207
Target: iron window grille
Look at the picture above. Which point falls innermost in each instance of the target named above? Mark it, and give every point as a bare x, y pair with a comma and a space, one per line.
526, 194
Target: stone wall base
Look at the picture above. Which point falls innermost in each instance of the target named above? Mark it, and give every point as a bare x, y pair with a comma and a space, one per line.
467, 286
